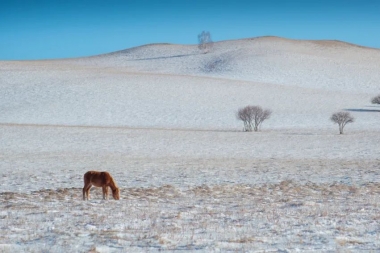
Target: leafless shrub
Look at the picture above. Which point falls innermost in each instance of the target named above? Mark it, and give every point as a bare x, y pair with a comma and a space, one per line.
342, 119
205, 43
376, 100
252, 117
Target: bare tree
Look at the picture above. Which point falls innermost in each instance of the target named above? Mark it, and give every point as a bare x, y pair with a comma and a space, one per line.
205, 43
244, 115
252, 117
376, 100
342, 119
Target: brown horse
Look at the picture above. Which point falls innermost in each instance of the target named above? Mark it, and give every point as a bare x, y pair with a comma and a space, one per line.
100, 179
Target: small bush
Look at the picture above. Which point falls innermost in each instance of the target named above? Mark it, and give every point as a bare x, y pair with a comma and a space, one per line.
252, 117
376, 100
342, 119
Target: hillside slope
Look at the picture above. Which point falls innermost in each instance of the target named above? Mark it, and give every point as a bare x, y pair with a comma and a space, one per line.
333, 65
175, 86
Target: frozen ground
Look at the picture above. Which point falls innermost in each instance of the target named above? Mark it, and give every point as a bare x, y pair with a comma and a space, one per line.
161, 119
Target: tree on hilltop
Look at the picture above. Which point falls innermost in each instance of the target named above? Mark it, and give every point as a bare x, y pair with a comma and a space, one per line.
205, 43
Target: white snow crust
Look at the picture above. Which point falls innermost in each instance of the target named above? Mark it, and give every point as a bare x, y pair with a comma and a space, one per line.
161, 119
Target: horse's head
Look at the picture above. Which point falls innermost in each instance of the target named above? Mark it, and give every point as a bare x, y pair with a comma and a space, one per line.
116, 193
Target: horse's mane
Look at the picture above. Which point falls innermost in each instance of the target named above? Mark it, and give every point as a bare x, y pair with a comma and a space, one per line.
113, 182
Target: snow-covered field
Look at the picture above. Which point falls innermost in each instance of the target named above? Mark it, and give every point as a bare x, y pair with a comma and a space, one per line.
161, 119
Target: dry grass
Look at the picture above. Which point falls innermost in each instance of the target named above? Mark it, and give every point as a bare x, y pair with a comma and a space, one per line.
199, 218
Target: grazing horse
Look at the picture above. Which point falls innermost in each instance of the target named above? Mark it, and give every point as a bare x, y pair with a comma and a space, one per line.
100, 179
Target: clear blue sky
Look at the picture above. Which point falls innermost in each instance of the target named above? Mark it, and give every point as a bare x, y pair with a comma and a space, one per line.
40, 29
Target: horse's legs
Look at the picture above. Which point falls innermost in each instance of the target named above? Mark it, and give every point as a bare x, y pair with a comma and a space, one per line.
86, 191
105, 192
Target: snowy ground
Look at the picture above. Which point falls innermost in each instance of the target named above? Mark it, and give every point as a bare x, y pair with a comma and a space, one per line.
163, 123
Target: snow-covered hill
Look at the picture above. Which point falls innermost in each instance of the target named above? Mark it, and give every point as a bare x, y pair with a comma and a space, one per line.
161, 119
176, 86
313, 64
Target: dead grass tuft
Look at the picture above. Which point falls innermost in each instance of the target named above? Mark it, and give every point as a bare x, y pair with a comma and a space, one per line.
347, 241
